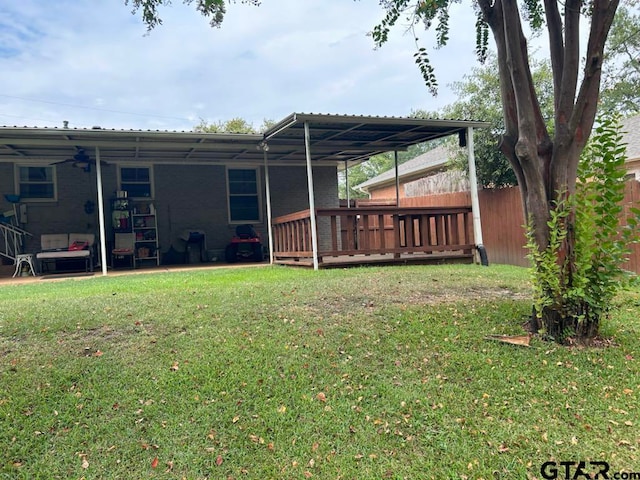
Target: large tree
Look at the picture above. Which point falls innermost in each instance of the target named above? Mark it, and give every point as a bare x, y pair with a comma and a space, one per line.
544, 160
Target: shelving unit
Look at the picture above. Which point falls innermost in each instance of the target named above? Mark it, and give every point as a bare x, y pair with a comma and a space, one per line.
139, 219
145, 228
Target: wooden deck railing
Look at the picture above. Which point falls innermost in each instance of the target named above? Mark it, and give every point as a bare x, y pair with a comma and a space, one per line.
374, 231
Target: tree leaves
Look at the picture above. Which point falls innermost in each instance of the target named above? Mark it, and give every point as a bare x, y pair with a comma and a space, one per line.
421, 58
213, 9
380, 33
482, 38
418, 12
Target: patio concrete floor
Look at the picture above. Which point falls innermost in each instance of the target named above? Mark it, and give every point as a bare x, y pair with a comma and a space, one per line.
6, 272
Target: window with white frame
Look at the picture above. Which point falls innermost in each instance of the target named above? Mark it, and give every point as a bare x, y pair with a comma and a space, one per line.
244, 201
136, 181
36, 183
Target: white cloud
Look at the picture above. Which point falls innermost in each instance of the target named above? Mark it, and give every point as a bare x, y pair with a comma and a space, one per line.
90, 62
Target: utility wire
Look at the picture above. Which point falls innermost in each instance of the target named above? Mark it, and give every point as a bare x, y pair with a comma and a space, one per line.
95, 108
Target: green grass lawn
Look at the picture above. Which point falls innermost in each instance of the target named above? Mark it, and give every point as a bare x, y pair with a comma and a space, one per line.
285, 373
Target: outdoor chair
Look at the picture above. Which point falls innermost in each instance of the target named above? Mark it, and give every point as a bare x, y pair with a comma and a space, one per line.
123, 249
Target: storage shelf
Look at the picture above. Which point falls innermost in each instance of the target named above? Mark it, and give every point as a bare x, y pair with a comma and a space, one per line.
144, 225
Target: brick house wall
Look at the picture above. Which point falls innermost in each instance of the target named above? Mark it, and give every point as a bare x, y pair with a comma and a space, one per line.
289, 194
186, 197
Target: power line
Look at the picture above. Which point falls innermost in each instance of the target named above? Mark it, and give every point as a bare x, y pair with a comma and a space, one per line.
95, 108
27, 117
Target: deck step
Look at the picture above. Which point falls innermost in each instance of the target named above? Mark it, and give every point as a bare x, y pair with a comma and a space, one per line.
355, 260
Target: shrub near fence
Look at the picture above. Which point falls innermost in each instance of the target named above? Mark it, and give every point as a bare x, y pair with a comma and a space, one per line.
503, 222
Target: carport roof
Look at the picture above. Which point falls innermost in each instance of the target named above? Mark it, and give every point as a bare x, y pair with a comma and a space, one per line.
333, 138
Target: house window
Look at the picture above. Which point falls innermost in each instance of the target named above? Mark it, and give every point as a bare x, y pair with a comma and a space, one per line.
136, 181
244, 201
36, 182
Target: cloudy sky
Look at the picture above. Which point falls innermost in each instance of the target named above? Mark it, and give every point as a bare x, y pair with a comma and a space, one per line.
90, 62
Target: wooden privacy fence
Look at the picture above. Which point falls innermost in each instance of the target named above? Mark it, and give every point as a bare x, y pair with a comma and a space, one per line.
382, 231
503, 221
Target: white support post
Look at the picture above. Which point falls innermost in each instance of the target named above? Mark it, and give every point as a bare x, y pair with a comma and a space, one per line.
103, 235
475, 203
312, 202
395, 162
265, 149
346, 183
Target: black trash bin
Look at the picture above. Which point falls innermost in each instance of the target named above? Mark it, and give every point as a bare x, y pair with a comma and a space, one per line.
195, 249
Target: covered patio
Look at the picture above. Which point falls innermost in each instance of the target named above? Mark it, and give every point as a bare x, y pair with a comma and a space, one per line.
313, 236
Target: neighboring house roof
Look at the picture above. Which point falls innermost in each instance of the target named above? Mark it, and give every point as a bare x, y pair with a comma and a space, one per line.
631, 129
435, 159
426, 163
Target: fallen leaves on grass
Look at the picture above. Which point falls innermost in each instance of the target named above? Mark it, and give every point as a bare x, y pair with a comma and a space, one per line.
522, 340
219, 460
85, 462
154, 463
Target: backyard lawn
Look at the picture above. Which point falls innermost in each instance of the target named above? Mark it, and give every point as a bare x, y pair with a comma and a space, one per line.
282, 373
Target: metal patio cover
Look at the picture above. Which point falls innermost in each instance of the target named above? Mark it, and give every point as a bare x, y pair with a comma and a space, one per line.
334, 139
298, 139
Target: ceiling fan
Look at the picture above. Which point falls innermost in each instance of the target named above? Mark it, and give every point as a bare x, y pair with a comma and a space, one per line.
81, 160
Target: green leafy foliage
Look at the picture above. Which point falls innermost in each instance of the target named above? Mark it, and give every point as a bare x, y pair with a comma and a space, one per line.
380, 33
621, 70
234, 125
534, 12
580, 282
427, 14
599, 207
482, 39
426, 70
212, 9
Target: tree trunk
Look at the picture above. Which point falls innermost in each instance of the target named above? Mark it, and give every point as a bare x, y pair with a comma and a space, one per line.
546, 167
564, 327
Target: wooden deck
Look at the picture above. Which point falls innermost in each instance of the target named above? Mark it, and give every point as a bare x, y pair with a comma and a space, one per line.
370, 235
363, 236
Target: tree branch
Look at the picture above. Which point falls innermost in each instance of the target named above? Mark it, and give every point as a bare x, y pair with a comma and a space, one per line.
556, 44
564, 105
584, 113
